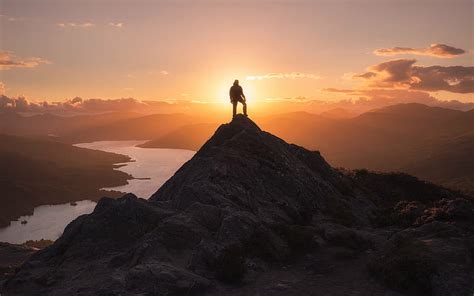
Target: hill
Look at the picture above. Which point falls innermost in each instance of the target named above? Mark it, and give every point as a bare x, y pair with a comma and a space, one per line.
187, 137
138, 128
250, 214
54, 125
36, 172
449, 163
338, 113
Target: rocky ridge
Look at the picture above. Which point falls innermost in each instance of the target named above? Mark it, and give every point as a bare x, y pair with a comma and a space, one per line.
253, 215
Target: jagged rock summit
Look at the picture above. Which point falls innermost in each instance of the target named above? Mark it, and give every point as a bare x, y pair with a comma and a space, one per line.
246, 169
251, 214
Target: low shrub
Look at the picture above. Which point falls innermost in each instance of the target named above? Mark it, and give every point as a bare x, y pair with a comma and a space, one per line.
405, 265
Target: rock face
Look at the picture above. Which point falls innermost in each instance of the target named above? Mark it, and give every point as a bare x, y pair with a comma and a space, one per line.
251, 214
11, 257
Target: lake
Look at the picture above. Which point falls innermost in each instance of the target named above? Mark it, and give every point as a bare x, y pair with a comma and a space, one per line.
152, 165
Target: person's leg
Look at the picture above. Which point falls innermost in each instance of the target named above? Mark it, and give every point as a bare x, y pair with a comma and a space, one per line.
234, 108
244, 104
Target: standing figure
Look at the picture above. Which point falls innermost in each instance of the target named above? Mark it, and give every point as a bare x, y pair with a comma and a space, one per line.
237, 95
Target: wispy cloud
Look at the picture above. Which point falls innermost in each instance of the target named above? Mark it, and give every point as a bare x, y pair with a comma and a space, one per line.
338, 90
161, 72
9, 61
291, 75
298, 99
85, 25
12, 18
116, 25
434, 50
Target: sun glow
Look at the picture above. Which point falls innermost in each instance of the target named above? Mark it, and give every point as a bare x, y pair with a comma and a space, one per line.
222, 91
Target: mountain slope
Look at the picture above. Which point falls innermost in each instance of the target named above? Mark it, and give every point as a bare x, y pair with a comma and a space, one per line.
49, 124
240, 150
137, 128
186, 137
269, 217
450, 163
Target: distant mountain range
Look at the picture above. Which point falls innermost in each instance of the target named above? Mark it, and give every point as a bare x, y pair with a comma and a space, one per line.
409, 137
429, 142
35, 172
54, 125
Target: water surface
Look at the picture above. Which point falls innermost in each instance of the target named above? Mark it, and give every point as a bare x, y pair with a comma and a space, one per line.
153, 165
47, 222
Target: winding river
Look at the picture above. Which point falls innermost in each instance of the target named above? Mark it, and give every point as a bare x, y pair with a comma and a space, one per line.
151, 166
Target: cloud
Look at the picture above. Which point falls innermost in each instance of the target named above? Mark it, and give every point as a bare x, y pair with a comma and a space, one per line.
367, 99
116, 25
404, 74
338, 90
85, 25
161, 72
291, 75
12, 18
9, 61
75, 105
2, 88
434, 50
363, 101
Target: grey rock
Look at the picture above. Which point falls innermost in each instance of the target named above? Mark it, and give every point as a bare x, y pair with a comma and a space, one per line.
245, 204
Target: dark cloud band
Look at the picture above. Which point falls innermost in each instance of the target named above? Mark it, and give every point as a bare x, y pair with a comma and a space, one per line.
434, 50
403, 73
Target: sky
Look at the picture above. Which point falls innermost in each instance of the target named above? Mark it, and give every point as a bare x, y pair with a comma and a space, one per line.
55, 50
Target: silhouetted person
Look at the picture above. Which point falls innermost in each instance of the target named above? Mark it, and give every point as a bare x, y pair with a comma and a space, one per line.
237, 95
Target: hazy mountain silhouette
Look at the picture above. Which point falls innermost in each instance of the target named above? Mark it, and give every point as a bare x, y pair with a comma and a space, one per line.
187, 137
138, 128
49, 124
338, 113
37, 172
449, 163
250, 214
413, 138
96, 127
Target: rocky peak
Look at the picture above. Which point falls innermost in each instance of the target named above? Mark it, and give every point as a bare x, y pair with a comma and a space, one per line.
246, 169
248, 204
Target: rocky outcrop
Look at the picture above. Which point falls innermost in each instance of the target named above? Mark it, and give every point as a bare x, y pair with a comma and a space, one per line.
251, 214
11, 257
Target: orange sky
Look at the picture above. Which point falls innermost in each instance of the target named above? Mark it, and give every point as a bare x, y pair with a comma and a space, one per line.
192, 50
